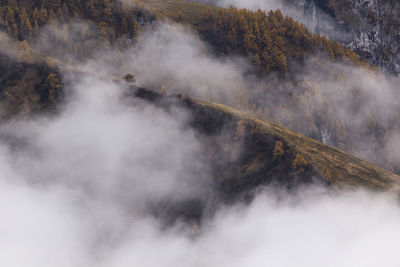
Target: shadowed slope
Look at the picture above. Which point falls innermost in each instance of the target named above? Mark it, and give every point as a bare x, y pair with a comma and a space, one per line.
245, 151
337, 167
248, 152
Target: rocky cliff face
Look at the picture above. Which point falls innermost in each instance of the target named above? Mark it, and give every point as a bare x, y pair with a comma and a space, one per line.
369, 27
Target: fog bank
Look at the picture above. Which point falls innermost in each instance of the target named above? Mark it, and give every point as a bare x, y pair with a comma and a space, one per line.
74, 189
74, 186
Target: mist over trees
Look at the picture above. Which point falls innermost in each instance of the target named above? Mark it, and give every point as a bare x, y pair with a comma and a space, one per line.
270, 40
112, 22
278, 87
168, 133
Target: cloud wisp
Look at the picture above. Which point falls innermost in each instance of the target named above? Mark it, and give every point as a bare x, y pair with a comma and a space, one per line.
74, 186
173, 57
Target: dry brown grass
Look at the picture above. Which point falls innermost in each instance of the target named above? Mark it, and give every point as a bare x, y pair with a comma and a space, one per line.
336, 166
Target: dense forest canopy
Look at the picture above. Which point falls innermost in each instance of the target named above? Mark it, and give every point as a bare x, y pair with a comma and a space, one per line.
111, 23
269, 39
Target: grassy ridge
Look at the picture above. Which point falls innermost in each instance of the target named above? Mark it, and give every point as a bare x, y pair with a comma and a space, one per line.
32, 88
334, 166
228, 132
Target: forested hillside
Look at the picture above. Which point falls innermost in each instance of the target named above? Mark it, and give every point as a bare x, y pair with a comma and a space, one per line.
368, 27
74, 27
28, 88
304, 81
271, 40
178, 133
23, 19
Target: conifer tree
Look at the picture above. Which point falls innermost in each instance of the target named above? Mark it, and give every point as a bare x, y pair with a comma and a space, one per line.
52, 15
35, 20
54, 4
136, 30
12, 4
123, 28
25, 26
65, 10
60, 14
43, 16
12, 27
24, 54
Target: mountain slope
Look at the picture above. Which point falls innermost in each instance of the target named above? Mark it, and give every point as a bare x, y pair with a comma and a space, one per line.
180, 10
256, 152
344, 169
242, 153
245, 151
273, 154
369, 28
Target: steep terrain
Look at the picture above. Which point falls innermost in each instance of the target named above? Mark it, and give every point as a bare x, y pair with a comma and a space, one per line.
313, 73
257, 152
180, 10
27, 88
279, 48
173, 133
370, 28
244, 151
271, 153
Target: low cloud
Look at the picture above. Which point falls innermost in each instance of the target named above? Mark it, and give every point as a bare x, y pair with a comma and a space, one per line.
333, 97
48, 227
295, 10
74, 186
7, 46
75, 183
253, 4
173, 56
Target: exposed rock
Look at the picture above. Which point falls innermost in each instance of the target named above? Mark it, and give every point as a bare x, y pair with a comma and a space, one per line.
369, 27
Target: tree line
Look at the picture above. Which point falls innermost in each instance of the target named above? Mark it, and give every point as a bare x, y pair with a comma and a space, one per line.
112, 20
270, 40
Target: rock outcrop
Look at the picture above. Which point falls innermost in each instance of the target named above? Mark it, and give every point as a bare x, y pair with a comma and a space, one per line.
369, 27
